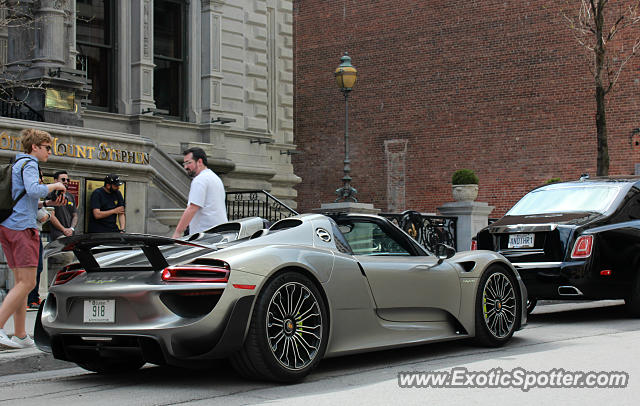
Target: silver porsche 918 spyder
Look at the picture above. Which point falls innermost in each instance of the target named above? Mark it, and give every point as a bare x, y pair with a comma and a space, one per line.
275, 300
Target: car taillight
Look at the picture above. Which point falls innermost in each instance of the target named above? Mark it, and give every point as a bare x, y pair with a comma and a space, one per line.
474, 245
582, 247
197, 273
65, 276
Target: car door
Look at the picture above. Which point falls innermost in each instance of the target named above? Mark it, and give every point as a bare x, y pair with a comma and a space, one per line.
405, 286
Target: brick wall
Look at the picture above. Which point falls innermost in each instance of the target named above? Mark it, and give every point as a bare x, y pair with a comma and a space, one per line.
500, 87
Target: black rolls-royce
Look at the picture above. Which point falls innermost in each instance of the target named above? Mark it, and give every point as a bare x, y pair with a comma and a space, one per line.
574, 240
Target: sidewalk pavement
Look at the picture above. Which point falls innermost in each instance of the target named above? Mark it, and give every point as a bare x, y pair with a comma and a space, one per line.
24, 360
33, 360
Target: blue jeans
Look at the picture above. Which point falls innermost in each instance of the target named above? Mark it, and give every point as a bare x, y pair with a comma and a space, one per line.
33, 295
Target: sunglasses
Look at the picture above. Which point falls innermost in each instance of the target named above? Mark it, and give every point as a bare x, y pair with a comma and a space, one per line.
64, 179
48, 147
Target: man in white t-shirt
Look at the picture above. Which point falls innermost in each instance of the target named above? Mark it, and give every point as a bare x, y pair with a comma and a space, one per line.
206, 207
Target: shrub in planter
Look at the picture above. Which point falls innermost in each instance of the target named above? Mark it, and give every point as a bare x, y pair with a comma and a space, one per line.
464, 185
552, 180
464, 177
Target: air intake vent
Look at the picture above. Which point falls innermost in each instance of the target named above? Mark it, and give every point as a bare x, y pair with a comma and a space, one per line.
210, 262
286, 223
467, 265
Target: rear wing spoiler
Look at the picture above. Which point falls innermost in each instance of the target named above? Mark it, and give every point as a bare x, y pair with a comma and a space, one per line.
86, 246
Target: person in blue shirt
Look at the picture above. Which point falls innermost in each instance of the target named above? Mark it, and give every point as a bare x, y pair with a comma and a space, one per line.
19, 233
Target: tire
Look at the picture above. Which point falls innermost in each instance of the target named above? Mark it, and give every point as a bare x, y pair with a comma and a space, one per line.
531, 304
632, 301
288, 331
111, 366
498, 307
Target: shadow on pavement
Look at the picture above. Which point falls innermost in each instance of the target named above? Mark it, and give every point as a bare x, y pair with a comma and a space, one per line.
593, 314
348, 372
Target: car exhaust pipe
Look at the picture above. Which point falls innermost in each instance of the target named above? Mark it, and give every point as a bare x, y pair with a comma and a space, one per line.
569, 291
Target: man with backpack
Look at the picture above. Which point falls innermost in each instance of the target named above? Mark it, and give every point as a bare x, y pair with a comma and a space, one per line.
19, 234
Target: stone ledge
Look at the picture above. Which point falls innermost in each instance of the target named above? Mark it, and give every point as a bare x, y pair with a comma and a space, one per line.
347, 207
28, 360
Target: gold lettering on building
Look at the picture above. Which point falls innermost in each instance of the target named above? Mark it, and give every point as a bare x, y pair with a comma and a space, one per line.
104, 151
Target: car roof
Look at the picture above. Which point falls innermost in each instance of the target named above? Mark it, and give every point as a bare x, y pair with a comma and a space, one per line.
600, 180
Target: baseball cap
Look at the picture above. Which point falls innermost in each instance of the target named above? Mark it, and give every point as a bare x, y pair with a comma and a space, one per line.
112, 179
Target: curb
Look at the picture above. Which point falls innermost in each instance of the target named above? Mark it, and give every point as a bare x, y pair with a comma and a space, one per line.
29, 360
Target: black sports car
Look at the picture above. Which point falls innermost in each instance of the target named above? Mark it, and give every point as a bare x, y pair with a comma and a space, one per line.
574, 240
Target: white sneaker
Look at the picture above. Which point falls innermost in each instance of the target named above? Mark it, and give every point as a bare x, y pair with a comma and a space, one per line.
5, 342
26, 342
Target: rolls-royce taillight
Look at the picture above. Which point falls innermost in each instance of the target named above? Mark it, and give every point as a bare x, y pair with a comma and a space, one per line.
582, 248
193, 273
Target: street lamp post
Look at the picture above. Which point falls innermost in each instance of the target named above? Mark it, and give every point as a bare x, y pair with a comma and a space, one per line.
346, 76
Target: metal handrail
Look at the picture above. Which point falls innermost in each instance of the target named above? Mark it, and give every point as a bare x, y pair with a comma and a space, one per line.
250, 203
13, 110
427, 230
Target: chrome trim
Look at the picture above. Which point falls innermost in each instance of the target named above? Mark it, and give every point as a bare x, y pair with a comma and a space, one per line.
521, 252
531, 265
87, 338
523, 228
577, 291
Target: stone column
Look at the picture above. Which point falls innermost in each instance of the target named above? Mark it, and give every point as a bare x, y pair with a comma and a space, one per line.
142, 56
50, 32
211, 59
193, 53
39, 59
136, 214
472, 217
70, 29
20, 37
124, 56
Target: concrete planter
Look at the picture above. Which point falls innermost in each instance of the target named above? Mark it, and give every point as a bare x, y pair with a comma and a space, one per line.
464, 193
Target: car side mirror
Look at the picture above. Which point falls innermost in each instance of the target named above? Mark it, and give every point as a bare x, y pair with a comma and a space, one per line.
444, 251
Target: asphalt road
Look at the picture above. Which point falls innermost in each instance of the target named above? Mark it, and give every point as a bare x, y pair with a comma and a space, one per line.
575, 337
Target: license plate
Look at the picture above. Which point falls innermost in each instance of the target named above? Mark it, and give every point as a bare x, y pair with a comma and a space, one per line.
520, 241
99, 311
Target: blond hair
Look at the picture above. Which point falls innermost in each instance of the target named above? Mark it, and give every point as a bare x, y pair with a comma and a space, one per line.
31, 136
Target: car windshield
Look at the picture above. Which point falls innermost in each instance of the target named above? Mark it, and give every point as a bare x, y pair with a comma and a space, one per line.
566, 199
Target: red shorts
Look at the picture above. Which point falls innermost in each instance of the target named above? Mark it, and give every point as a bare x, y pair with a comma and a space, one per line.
21, 247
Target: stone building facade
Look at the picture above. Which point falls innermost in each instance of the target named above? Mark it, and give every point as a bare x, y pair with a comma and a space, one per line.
125, 86
500, 87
